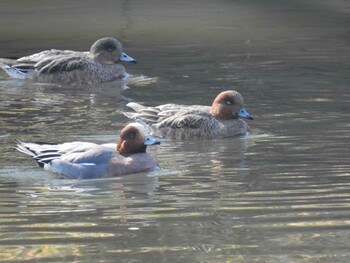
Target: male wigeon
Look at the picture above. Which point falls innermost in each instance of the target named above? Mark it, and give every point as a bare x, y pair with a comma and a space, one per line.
82, 160
222, 119
100, 64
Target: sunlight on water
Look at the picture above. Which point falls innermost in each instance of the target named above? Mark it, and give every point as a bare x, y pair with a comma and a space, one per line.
141, 81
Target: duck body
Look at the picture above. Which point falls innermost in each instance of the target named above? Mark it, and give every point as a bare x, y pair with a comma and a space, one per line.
100, 64
222, 119
85, 160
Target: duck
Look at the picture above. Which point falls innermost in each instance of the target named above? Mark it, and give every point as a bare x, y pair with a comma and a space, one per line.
87, 160
224, 118
67, 67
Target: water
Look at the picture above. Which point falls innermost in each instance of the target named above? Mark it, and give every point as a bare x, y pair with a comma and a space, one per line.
280, 194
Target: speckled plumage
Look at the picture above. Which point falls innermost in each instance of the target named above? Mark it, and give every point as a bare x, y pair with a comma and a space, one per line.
100, 64
195, 121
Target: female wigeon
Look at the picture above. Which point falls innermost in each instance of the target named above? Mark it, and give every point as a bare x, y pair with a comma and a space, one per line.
220, 120
82, 160
100, 64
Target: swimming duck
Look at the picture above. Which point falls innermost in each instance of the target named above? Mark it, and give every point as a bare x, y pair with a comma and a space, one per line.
83, 160
222, 119
100, 64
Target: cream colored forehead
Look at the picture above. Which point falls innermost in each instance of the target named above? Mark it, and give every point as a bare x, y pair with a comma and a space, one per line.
139, 127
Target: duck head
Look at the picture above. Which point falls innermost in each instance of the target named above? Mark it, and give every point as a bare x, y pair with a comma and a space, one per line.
108, 50
134, 139
229, 105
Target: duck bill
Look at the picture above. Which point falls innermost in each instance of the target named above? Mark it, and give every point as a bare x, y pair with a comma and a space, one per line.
126, 58
149, 140
244, 114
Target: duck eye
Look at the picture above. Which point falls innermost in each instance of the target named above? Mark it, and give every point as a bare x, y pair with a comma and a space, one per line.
228, 102
131, 135
110, 48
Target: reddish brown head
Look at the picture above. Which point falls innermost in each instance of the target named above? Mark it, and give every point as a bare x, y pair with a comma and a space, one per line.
229, 105
134, 139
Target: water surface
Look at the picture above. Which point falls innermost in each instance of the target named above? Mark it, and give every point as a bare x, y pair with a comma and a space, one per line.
280, 194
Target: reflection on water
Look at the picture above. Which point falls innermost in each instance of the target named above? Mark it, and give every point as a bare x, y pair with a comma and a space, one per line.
280, 194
